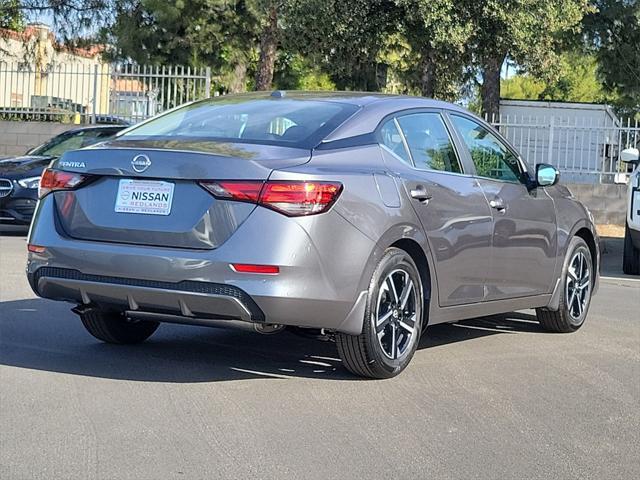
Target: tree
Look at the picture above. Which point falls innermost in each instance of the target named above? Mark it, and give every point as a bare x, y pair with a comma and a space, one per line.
11, 16
215, 33
437, 31
269, 39
529, 32
577, 81
612, 33
72, 19
343, 38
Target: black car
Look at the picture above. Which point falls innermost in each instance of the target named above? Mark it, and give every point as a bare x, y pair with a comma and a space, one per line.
20, 176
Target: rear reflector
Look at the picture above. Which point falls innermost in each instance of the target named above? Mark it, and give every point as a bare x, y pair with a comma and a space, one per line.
35, 248
249, 268
53, 180
292, 198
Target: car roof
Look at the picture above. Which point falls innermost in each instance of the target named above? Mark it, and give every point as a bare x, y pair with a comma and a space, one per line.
372, 107
359, 99
375, 107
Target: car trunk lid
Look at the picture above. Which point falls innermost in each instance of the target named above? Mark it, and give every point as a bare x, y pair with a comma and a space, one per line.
145, 195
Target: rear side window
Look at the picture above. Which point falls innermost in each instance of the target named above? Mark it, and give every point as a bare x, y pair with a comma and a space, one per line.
429, 142
285, 122
392, 139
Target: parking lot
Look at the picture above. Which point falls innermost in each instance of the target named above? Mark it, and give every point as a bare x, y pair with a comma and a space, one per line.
487, 398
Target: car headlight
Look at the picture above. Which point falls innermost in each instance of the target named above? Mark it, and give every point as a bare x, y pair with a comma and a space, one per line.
31, 182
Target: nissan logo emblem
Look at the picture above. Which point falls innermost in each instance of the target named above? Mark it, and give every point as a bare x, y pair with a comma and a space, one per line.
140, 163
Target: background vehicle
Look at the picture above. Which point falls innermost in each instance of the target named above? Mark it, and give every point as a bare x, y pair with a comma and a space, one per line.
365, 216
20, 176
631, 259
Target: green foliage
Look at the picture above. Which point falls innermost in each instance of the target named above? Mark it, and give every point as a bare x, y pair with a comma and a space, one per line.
522, 87
576, 81
11, 16
342, 38
452, 49
293, 72
529, 32
437, 32
612, 32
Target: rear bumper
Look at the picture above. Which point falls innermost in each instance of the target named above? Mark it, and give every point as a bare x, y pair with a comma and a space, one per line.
189, 299
321, 282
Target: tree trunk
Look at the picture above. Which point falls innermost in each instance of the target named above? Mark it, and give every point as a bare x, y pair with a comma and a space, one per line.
238, 83
268, 47
490, 89
427, 75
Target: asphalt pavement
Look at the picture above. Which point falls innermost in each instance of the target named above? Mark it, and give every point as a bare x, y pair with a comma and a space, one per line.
490, 398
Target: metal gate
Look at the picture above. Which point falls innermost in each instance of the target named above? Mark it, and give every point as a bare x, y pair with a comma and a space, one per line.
97, 93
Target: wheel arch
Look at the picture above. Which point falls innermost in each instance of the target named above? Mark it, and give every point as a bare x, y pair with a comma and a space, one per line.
412, 240
419, 257
585, 231
590, 239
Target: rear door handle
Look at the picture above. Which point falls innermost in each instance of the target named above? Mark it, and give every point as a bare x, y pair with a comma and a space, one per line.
421, 194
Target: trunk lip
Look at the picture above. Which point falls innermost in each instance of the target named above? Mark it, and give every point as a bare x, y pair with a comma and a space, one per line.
302, 151
143, 145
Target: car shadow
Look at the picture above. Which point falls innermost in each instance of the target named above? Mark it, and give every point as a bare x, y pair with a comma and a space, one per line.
44, 335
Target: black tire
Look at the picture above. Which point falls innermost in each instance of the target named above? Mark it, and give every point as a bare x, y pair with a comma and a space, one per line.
113, 327
365, 354
566, 319
631, 255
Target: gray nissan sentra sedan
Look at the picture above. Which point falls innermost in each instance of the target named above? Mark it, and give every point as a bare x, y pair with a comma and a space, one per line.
366, 216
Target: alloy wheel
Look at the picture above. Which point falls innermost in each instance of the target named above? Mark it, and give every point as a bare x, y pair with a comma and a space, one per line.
578, 286
396, 314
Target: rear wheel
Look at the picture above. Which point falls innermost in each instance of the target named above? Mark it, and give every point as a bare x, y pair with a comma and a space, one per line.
392, 322
577, 285
631, 257
113, 327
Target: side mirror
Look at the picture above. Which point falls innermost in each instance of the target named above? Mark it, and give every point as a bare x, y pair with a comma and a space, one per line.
546, 175
630, 155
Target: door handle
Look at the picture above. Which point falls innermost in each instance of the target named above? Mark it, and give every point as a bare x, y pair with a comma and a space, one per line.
421, 194
498, 204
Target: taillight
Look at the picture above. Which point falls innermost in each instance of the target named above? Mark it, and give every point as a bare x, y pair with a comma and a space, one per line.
235, 190
53, 180
292, 198
35, 248
299, 198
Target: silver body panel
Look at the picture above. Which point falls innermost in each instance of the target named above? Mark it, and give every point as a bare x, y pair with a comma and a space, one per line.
477, 261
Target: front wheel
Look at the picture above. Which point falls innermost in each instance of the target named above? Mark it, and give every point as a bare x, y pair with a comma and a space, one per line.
577, 285
392, 322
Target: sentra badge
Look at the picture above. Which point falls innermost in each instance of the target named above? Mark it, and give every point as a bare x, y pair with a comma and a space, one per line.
72, 165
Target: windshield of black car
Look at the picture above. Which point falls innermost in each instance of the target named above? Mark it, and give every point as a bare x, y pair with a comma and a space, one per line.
284, 122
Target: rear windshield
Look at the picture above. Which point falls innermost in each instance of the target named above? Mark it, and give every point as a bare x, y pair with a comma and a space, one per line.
283, 122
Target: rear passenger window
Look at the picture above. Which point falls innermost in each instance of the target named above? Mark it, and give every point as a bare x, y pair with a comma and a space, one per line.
429, 142
392, 139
